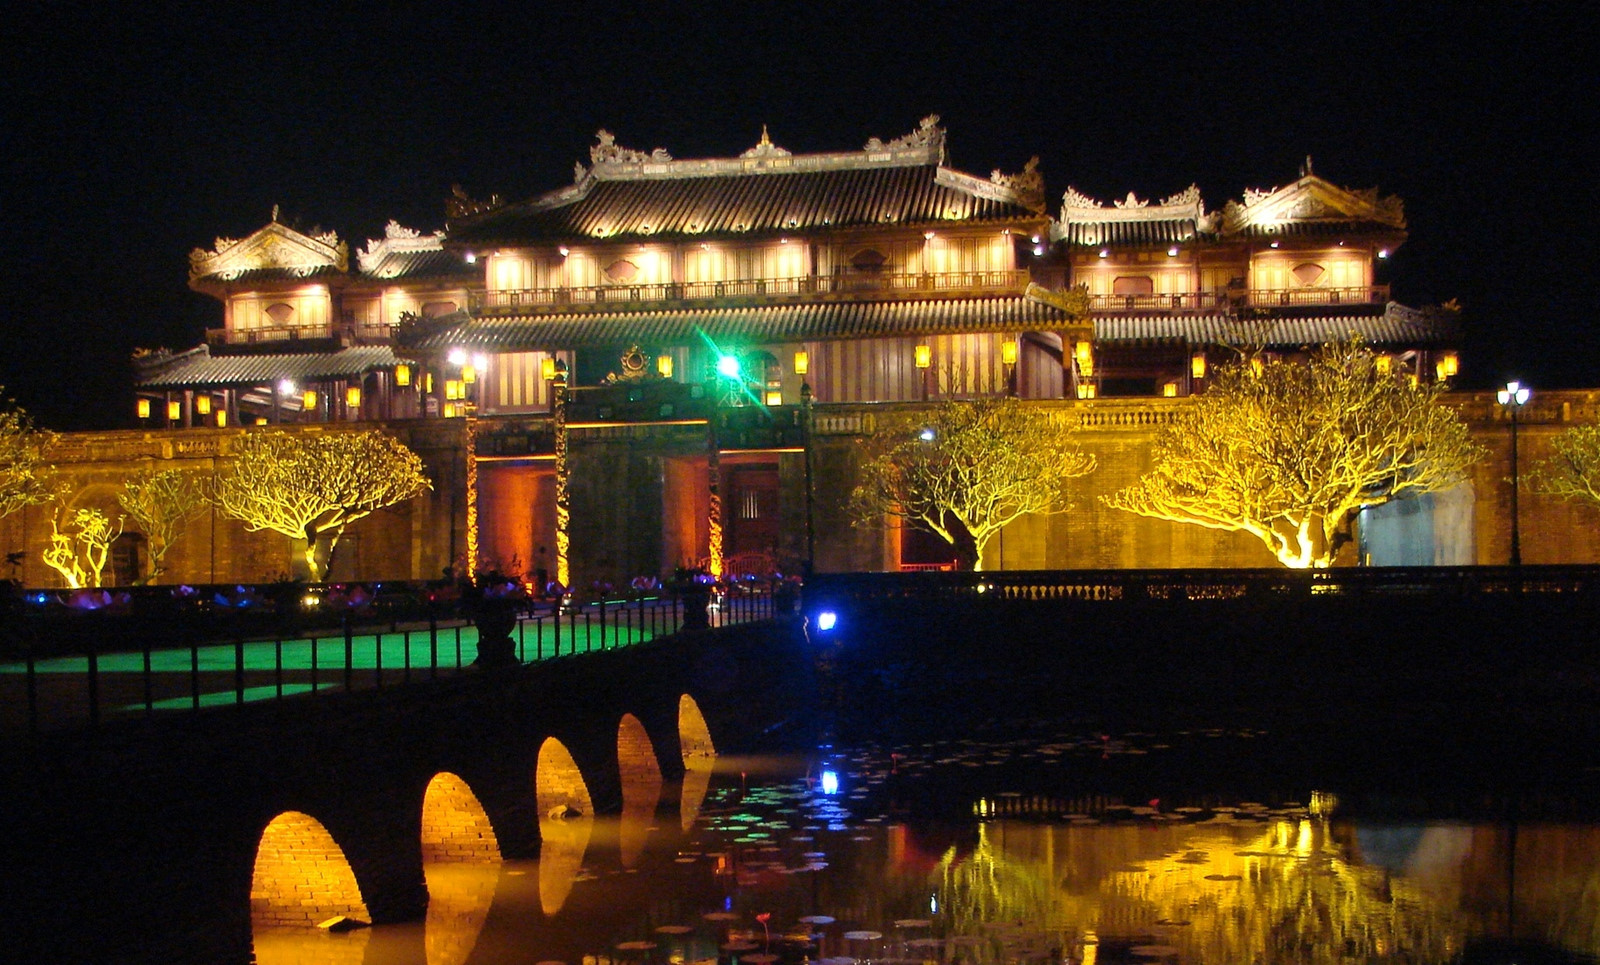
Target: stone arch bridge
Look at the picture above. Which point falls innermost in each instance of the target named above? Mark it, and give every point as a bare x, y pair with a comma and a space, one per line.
167, 840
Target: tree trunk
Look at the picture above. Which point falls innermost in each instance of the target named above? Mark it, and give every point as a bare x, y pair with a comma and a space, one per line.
969, 555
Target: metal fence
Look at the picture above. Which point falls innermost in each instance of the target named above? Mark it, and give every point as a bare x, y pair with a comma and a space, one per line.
43, 688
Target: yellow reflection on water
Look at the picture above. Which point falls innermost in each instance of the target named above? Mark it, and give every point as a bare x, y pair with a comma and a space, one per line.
641, 787
1288, 890
460, 895
562, 842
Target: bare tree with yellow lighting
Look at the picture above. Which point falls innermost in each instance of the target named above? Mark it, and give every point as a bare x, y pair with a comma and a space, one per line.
161, 504
80, 554
1574, 471
23, 447
310, 486
968, 470
1290, 451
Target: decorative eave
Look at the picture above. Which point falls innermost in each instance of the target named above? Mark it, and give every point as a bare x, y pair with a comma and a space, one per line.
397, 239
274, 247
1312, 199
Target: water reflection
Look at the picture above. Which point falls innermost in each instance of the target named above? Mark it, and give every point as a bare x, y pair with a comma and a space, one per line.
771, 865
562, 843
460, 895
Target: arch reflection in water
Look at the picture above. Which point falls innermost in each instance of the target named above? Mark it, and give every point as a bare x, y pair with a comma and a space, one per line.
699, 758
302, 878
461, 865
641, 787
566, 821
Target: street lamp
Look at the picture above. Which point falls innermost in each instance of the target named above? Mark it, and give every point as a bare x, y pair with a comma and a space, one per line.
1514, 396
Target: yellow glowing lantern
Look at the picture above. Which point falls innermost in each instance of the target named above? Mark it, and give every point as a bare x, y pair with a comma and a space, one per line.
1084, 353
427, 383
469, 374
547, 368
1085, 391
1197, 365
1008, 352
202, 404
352, 397
144, 408
308, 399
663, 366
1383, 364
924, 356
1449, 364
802, 363
453, 389
449, 410
261, 420
402, 375
1169, 390
774, 397
174, 411
222, 418
1257, 366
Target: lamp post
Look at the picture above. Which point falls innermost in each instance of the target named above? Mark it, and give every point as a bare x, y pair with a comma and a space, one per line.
811, 527
1514, 396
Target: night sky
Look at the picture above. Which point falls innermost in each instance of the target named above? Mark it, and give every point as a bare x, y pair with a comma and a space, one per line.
133, 135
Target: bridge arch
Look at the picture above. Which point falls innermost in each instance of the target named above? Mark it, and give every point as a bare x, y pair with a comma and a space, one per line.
694, 737
301, 876
455, 827
559, 787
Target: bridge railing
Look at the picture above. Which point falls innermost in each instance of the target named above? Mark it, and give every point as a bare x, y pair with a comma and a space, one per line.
931, 587
43, 688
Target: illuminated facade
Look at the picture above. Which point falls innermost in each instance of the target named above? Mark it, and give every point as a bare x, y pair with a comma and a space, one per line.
716, 318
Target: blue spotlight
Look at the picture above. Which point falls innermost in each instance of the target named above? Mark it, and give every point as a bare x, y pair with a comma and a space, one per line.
827, 620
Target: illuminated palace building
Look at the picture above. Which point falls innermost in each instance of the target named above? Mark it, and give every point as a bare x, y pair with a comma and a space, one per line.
709, 339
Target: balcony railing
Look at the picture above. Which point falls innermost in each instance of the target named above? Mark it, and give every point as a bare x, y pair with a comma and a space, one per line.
1224, 299
298, 333
1287, 297
852, 283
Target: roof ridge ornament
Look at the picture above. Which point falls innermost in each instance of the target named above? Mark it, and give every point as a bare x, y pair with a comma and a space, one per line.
1027, 186
462, 205
1131, 202
606, 150
1073, 198
396, 238
765, 148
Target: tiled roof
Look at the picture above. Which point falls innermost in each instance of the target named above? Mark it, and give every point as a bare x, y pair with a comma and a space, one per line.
1131, 233
737, 204
1317, 229
250, 276
1396, 325
421, 264
200, 368
765, 324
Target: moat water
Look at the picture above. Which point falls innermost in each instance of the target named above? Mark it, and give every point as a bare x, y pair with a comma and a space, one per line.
1048, 844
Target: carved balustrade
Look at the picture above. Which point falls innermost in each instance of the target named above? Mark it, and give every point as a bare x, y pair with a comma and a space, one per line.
511, 301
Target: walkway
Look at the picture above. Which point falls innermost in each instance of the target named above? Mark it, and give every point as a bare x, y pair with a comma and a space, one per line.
59, 692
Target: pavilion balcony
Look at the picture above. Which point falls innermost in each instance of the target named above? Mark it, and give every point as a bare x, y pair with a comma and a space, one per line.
851, 284
1224, 299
